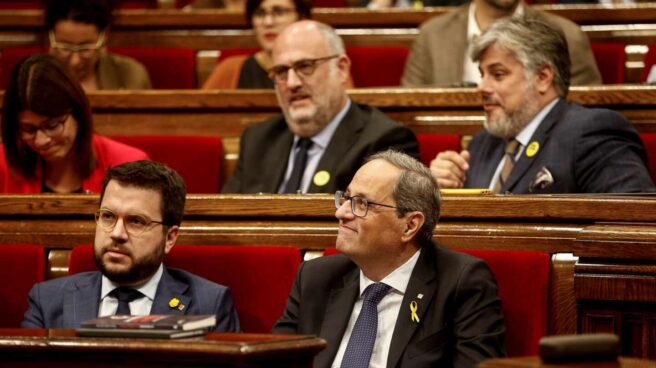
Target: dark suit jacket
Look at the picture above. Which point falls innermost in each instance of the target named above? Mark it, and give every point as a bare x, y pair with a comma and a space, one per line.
68, 301
439, 52
265, 150
460, 314
585, 150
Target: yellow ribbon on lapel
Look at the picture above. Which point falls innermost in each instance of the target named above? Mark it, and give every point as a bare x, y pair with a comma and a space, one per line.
413, 312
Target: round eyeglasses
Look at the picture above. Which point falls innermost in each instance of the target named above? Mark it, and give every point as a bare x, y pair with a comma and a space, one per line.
134, 225
50, 127
302, 68
359, 205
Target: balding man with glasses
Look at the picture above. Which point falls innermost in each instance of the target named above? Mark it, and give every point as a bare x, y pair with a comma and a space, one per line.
321, 137
393, 298
137, 224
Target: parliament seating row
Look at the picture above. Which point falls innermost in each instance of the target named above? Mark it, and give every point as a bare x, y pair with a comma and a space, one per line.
260, 278
372, 66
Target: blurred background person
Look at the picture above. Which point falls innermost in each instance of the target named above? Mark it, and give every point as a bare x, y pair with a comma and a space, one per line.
47, 133
267, 18
78, 32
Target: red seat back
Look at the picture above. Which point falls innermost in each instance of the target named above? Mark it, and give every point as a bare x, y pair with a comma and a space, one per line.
610, 58
160, 62
21, 266
649, 140
430, 144
523, 280
260, 277
377, 66
196, 158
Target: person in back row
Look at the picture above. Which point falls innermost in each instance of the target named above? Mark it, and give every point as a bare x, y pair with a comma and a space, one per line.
534, 140
137, 224
78, 31
322, 137
440, 54
47, 133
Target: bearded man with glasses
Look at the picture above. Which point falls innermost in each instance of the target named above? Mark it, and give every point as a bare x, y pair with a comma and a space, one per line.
138, 222
77, 31
394, 298
322, 137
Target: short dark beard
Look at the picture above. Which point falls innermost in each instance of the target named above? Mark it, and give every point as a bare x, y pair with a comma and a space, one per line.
139, 271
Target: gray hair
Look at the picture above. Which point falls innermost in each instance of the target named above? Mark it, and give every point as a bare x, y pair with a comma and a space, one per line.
534, 44
415, 190
334, 42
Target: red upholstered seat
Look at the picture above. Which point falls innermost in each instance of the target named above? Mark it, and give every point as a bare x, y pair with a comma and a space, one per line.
260, 277
21, 4
523, 280
21, 266
431, 144
196, 158
610, 58
377, 66
649, 140
160, 63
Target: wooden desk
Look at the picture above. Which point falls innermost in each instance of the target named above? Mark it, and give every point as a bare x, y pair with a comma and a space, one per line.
61, 348
536, 362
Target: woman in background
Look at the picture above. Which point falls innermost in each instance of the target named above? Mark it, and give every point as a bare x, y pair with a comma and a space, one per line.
267, 18
47, 133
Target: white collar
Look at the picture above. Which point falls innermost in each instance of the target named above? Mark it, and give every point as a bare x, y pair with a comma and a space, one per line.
148, 288
525, 135
324, 136
397, 279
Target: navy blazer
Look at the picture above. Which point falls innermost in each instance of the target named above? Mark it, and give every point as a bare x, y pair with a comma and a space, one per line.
582, 150
460, 318
68, 301
364, 130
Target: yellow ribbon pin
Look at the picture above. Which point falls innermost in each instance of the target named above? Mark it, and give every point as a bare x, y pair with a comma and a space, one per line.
532, 149
413, 312
174, 302
321, 178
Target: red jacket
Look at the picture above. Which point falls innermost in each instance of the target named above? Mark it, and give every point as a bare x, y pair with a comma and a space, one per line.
108, 153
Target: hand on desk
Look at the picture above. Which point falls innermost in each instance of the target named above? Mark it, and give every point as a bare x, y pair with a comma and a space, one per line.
450, 168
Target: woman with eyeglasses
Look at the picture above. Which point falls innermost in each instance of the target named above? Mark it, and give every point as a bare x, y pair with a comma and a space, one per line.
77, 31
267, 18
47, 133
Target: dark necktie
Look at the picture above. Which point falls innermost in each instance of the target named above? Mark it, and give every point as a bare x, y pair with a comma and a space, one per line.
294, 182
125, 296
361, 343
508, 163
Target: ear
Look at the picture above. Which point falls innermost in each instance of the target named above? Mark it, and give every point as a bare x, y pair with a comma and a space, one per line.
413, 222
344, 68
171, 237
544, 79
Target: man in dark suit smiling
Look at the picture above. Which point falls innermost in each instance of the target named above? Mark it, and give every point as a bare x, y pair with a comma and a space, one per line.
393, 298
322, 137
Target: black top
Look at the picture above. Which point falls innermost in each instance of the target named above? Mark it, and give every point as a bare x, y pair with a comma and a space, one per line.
253, 75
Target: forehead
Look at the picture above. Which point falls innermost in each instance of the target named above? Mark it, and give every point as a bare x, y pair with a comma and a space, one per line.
75, 32
126, 199
375, 180
496, 55
299, 43
280, 3
30, 117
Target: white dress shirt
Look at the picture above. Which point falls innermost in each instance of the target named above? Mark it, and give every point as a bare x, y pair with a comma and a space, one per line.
388, 311
138, 307
320, 143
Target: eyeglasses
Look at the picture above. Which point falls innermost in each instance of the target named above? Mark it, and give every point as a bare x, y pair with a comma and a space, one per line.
65, 50
51, 127
359, 205
134, 225
302, 68
276, 12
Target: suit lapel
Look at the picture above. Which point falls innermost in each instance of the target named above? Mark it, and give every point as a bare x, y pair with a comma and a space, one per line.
82, 300
541, 136
345, 136
169, 289
421, 289
338, 312
275, 162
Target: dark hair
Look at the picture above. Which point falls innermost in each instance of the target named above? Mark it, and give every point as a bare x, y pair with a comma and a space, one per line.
155, 176
303, 9
96, 12
415, 190
43, 85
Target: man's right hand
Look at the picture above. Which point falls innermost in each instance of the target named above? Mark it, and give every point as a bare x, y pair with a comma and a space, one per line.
450, 168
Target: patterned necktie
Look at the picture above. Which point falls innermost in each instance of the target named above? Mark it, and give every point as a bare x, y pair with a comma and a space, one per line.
508, 163
361, 343
125, 296
294, 182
